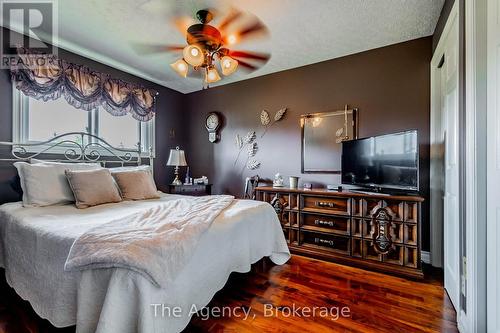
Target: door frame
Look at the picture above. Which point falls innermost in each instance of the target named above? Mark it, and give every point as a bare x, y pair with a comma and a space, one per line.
436, 203
474, 319
492, 75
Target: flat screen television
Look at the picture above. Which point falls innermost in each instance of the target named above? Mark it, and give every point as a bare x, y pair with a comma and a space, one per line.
382, 162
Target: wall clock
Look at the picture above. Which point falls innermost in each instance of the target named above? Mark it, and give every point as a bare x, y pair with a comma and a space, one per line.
212, 123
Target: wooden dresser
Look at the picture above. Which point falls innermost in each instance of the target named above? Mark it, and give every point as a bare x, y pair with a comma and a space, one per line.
374, 231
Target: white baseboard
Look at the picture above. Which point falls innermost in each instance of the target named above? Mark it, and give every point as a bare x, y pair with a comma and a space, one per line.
462, 324
426, 257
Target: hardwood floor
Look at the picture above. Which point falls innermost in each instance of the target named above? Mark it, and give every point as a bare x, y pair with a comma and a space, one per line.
376, 302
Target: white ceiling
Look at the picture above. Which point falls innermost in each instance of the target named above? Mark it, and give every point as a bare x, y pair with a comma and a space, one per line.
302, 32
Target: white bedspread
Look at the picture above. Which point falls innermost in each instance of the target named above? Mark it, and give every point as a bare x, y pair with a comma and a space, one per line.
35, 242
156, 242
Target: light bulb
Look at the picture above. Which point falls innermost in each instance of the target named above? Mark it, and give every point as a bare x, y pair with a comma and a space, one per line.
232, 39
180, 67
212, 75
228, 65
193, 55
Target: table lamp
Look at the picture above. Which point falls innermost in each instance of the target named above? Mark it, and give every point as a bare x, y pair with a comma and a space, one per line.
176, 159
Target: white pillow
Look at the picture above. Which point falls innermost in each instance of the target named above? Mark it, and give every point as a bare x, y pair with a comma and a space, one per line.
130, 168
45, 184
36, 161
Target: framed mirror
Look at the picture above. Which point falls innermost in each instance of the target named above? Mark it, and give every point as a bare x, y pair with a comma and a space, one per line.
322, 136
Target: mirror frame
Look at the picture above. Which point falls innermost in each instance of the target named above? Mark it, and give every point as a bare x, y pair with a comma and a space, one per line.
355, 120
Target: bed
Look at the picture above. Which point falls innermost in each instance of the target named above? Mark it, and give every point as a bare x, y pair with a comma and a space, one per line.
35, 242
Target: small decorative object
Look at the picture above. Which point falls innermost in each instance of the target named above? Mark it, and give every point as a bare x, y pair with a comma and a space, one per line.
177, 158
187, 180
278, 180
203, 180
212, 123
265, 119
307, 186
294, 182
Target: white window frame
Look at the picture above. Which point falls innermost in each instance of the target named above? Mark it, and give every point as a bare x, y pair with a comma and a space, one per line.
20, 128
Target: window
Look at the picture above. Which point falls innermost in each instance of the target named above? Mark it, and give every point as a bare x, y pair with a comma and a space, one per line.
38, 121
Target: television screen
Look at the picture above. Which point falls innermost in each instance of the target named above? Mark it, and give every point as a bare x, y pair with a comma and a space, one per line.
386, 161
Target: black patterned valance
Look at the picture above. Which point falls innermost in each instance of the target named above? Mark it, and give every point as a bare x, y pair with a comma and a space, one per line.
46, 77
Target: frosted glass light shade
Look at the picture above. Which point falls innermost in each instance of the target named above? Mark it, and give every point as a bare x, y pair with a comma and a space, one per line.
212, 75
228, 65
193, 55
180, 67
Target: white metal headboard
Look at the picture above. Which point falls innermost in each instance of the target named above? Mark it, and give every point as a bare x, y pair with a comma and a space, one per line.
77, 147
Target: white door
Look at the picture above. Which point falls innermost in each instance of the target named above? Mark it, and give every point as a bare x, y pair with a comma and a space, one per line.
493, 167
449, 104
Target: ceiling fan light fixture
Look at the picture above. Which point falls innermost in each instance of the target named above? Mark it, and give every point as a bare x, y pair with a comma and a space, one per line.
193, 55
228, 65
212, 75
232, 39
180, 67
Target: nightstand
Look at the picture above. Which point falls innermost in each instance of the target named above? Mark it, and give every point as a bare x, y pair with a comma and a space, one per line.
195, 190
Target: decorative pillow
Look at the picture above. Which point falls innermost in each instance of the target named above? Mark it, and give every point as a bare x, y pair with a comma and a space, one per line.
46, 184
92, 187
136, 185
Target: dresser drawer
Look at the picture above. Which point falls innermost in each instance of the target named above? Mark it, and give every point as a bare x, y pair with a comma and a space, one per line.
327, 242
325, 223
195, 190
327, 205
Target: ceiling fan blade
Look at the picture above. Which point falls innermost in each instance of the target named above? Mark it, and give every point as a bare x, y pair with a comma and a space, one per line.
255, 27
250, 55
247, 66
232, 16
147, 49
182, 23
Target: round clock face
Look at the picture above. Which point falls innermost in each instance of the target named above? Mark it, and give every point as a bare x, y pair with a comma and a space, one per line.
212, 121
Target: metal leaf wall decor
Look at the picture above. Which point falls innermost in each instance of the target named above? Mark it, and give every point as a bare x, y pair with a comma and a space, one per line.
265, 119
249, 142
246, 142
253, 164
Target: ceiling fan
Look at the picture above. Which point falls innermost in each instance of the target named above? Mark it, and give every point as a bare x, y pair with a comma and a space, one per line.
208, 46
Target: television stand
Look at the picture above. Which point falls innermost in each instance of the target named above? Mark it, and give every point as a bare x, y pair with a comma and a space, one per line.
369, 230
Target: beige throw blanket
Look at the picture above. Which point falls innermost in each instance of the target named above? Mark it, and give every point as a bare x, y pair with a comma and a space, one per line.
156, 242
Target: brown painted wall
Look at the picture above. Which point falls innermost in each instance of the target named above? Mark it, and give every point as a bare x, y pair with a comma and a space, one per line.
390, 86
169, 106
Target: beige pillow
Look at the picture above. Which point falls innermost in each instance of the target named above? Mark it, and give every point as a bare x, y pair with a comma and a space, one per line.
92, 188
136, 185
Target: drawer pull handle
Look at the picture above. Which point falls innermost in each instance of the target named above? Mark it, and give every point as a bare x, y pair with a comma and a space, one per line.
324, 204
324, 223
322, 241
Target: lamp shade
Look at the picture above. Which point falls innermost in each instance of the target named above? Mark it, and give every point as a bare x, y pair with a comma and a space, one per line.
212, 75
180, 67
228, 65
177, 158
193, 55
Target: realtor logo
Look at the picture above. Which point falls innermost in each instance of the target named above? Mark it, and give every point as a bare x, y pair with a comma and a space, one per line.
28, 24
